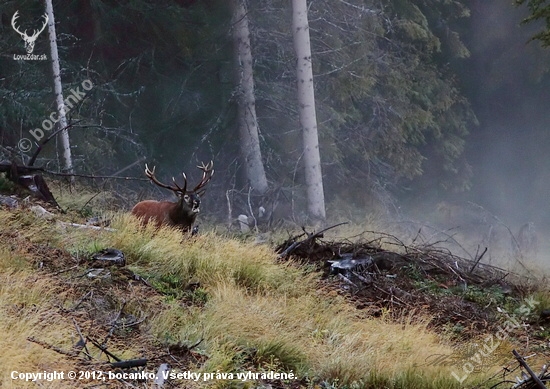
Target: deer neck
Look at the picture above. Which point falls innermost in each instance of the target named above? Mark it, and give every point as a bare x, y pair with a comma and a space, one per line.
182, 214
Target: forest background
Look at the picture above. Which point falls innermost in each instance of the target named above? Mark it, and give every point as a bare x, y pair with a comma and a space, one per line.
417, 101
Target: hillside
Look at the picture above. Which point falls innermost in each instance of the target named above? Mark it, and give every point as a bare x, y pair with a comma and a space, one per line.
220, 311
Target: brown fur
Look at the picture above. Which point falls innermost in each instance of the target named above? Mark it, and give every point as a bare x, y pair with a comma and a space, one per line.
174, 214
180, 214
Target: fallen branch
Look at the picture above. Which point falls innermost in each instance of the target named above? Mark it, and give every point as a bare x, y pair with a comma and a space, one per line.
51, 347
76, 225
130, 363
81, 344
310, 237
535, 378
23, 170
103, 349
77, 304
477, 260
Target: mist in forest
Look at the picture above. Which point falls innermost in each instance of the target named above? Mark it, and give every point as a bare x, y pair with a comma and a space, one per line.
508, 88
176, 114
507, 82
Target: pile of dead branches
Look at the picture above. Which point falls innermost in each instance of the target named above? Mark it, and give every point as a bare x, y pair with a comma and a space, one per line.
384, 273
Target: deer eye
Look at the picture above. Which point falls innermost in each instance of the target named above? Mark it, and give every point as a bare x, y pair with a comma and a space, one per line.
186, 198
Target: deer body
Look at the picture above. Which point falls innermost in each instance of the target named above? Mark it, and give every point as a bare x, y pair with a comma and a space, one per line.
180, 214
165, 213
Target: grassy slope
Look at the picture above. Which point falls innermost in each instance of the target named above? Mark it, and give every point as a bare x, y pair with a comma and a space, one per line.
251, 312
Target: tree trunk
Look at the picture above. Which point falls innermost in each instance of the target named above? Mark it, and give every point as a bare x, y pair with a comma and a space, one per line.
308, 120
61, 112
247, 121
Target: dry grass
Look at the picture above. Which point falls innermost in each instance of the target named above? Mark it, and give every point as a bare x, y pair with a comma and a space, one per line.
320, 330
26, 311
251, 312
83, 200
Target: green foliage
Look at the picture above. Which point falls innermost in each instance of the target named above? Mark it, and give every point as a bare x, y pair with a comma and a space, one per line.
539, 10
277, 355
408, 379
293, 323
542, 299
168, 284
482, 296
6, 186
389, 108
153, 72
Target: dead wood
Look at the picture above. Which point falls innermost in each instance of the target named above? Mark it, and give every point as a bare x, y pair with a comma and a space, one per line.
49, 346
130, 363
524, 364
26, 177
310, 238
384, 273
104, 349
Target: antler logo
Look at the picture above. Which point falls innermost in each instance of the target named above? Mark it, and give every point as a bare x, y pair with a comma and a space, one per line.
29, 40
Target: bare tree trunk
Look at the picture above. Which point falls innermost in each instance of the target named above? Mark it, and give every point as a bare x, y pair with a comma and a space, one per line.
308, 119
61, 112
248, 123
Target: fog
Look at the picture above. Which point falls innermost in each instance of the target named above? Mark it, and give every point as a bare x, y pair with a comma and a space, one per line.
507, 83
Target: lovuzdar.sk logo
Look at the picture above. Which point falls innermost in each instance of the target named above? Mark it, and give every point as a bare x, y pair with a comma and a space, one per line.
29, 39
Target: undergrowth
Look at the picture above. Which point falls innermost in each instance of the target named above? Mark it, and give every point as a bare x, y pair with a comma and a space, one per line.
242, 309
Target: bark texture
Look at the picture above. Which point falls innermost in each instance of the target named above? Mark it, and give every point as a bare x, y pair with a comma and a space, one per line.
308, 119
58, 90
247, 121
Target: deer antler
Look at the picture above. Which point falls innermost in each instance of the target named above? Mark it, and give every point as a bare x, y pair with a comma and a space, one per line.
207, 174
151, 175
199, 189
184, 189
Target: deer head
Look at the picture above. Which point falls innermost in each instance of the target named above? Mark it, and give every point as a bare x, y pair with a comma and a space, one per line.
180, 214
29, 40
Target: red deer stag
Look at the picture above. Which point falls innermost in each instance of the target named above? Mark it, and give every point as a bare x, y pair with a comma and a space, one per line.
181, 214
